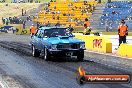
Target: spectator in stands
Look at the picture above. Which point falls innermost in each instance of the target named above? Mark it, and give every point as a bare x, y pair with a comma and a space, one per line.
54, 7
75, 19
75, 0
53, 17
24, 24
58, 24
75, 7
58, 18
6, 21
10, 19
22, 13
70, 28
93, 7
84, 2
48, 24
64, 14
3, 20
70, 20
79, 22
58, 12
122, 32
113, 12
107, 26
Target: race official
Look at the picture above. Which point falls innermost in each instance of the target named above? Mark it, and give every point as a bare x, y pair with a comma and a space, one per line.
32, 30
122, 32
87, 22
87, 30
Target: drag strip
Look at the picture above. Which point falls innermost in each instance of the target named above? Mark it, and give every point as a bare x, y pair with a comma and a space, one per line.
60, 72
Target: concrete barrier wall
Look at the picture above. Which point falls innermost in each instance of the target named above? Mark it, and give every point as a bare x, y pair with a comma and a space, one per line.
125, 50
96, 43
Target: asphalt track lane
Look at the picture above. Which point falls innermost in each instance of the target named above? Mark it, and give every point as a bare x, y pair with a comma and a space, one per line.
62, 68
37, 73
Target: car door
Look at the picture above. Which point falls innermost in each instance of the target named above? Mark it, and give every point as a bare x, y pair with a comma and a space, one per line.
35, 39
40, 40
44, 42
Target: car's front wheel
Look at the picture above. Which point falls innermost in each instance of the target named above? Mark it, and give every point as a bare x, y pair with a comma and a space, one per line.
46, 55
35, 52
80, 55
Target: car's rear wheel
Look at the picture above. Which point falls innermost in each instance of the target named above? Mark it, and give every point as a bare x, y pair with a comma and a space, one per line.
35, 52
46, 55
80, 55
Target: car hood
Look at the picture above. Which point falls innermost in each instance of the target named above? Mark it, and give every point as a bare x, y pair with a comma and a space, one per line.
61, 40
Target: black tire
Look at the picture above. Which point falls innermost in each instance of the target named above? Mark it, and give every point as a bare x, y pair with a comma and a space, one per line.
80, 55
46, 55
35, 52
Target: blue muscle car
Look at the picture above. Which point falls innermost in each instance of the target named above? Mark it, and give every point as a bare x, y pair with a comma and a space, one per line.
56, 41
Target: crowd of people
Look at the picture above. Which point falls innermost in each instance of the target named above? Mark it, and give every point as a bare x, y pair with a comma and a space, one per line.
11, 20
20, 1
71, 16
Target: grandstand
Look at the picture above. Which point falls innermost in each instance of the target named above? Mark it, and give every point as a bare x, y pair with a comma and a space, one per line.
66, 13
114, 12
71, 12
15, 9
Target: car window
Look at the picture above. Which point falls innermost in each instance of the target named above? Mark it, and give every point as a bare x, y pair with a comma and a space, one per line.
55, 32
39, 33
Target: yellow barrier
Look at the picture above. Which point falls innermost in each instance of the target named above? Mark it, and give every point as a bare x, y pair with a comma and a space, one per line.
125, 50
96, 43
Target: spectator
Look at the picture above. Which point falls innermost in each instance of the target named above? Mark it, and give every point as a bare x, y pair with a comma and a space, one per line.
25, 12
58, 18
53, 17
93, 7
64, 14
54, 7
48, 24
3, 20
22, 12
24, 24
10, 19
58, 24
70, 28
76, 20
85, 2
58, 12
107, 26
6, 21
